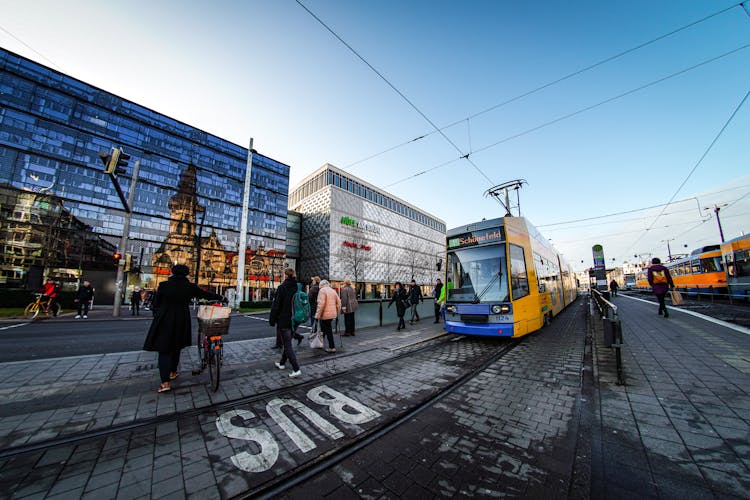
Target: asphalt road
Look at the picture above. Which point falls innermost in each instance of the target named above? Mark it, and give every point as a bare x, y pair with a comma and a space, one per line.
59, 337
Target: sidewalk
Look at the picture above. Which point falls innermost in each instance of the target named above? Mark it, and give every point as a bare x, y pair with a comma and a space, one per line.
680, 427
549, 420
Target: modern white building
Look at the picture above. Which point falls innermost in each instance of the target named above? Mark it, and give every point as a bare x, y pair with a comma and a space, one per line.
352, 229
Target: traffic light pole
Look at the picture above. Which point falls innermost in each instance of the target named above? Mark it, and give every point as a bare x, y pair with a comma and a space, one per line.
124, 241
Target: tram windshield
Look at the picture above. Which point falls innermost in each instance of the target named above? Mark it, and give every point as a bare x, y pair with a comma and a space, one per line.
478, 275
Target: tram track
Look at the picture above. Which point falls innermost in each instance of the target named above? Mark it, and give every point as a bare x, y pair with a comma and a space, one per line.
72, 439
326, 461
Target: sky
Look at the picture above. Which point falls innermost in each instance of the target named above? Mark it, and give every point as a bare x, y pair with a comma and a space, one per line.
628, 121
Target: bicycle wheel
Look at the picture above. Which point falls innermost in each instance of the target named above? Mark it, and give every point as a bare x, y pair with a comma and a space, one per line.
32, 310
214, 364
201, 350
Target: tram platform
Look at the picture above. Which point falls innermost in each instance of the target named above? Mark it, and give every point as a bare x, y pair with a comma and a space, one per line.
547, 420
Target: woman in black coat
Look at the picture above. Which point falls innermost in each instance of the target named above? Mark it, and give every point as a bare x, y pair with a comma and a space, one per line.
401, 299
171, 328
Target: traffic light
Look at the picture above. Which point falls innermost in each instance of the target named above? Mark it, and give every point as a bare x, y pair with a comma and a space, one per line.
114, 162
116, 257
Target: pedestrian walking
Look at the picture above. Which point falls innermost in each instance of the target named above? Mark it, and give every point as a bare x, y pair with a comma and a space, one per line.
313, 295
171, 328
329, 306
84, 296
349, 306
436, 293
401, 299
135, 302
613, 287
281, 318
415, 298
661, 282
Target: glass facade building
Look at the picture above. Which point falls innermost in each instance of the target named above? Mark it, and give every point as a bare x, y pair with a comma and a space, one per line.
60, 214
352, 229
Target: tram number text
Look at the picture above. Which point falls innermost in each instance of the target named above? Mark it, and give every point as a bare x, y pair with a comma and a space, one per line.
340, 406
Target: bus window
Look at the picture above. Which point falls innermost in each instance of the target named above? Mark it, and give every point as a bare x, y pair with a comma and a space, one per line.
695, 266
518, 277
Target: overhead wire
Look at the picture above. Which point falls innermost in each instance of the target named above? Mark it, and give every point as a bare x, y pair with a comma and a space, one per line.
582, 110
32, 49
700, 160
401, 94
556, 81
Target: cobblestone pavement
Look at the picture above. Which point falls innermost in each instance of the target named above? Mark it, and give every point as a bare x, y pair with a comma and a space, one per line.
546, 420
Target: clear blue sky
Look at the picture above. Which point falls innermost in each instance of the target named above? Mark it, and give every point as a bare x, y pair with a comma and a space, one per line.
269, 70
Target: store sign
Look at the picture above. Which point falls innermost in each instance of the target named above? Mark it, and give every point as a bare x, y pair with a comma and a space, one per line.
362, 226
361, 246
476, 238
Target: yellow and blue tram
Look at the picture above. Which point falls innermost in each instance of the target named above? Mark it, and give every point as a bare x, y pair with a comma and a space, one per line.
503, 279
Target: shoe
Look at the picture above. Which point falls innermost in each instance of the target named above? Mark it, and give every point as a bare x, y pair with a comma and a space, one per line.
173, 376
276, 347
436, 321
164, 388
295, 374
280, 366
331, 349
78, 316
85, 317
197, 371
299, 339
666, 315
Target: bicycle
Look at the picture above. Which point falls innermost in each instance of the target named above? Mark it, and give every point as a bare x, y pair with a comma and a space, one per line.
210, 344
41, 303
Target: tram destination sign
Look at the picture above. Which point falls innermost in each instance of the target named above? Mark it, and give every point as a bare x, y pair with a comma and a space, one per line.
475, 238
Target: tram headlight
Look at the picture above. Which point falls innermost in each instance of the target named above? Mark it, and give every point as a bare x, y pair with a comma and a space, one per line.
500, 309
451, 309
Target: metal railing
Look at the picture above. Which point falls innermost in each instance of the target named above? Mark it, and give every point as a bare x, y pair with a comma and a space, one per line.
612, 329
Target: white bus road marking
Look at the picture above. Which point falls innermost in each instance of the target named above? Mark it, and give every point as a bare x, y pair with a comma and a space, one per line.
344, 408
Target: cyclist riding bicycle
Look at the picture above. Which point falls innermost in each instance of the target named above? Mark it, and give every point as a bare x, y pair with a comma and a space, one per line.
49, 291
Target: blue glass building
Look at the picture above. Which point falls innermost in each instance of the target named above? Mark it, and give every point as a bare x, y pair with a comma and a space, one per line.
60, 215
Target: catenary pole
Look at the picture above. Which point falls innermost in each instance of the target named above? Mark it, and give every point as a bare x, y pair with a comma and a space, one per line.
243, 228
119, 282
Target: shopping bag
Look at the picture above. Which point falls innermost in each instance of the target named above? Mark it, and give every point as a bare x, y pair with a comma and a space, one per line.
676, 297
316, 341
213, 312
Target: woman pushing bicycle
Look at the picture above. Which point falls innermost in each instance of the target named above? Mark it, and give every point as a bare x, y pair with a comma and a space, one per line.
171, 328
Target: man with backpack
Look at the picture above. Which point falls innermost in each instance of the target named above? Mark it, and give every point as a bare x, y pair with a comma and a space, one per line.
283, 318
660, 281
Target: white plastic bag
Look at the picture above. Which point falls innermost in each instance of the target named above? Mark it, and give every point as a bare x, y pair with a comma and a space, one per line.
316, 341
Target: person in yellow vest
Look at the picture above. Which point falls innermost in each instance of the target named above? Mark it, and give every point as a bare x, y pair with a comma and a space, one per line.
661, 282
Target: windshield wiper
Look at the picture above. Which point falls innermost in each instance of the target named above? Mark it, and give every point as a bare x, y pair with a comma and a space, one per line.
477, 298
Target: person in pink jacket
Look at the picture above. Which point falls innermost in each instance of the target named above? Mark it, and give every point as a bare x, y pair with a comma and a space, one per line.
328, 309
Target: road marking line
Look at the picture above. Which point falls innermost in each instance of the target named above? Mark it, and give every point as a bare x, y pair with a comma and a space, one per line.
14, 326
732, 326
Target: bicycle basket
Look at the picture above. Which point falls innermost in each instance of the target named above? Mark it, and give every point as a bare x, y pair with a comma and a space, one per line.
213, 326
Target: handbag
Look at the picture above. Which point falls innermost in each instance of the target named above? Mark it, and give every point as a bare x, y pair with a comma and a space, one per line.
316, 341
676, 297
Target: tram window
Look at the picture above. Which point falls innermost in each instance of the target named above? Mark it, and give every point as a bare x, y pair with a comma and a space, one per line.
695, 266
742, 263
518, 276
712, 265
477, 275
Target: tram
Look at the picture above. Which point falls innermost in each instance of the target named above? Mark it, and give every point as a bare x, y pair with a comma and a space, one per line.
736, 255
702, 272
503, 279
